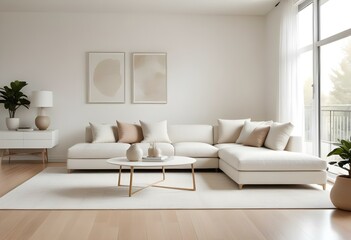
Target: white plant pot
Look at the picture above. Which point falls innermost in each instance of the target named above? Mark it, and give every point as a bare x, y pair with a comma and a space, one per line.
12, 123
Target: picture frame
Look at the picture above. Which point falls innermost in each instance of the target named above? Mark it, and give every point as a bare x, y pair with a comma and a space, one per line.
106, 77
149, 77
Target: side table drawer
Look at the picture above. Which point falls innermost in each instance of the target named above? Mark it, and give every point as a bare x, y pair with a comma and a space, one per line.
38, 143
37, 135
5, 135
11, 143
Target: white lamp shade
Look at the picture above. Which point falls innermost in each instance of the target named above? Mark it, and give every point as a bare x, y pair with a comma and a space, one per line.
42, 99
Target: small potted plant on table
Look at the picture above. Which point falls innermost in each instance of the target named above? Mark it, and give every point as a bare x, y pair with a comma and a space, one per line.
12, 97
340, 194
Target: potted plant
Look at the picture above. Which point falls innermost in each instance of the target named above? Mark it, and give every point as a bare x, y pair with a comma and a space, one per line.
12, 97
340, 194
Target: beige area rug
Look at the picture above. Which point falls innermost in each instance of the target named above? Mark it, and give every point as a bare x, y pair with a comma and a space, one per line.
54, 188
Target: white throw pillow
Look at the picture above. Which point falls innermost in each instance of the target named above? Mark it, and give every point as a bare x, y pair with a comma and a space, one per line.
229, 130
102, 133
248, 129
278, 136
155, 132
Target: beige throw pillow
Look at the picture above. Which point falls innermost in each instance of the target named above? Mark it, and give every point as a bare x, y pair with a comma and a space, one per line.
129, 133
155, 132
229, 130
102, 133
248, 129
278, 136
257, 137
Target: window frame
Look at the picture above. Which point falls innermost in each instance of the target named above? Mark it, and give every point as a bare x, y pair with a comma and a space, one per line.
316, 45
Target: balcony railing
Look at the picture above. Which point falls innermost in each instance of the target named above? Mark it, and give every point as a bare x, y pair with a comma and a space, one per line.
335, 123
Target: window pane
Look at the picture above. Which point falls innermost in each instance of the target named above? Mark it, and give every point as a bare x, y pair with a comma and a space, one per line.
335, 17
305, 71
335, 76
305, 26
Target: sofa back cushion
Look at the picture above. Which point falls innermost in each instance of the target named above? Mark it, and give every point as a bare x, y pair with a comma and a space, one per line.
294, 144
229, 130
89, 133
191, 133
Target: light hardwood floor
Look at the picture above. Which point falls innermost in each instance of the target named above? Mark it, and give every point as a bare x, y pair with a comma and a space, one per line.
163, 224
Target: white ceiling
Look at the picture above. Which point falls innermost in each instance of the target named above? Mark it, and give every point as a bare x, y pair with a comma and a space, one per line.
216, 7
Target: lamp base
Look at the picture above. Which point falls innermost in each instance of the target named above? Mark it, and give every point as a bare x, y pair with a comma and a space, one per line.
42, 122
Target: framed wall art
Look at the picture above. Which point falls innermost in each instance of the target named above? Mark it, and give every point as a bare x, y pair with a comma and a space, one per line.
149, 78
106, 78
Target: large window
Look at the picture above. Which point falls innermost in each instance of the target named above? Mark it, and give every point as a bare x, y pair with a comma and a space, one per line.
325, 68
334, 17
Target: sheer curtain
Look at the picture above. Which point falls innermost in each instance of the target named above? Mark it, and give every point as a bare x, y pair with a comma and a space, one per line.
290, 89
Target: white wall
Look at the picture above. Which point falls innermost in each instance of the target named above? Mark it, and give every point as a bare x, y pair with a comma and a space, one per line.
272, 31
215, 66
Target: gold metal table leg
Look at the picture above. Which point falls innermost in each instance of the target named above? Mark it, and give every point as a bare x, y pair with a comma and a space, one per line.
2, 155
43, 156
193, 173
9, 151
131, 181
46, 155
119, 175
155, 183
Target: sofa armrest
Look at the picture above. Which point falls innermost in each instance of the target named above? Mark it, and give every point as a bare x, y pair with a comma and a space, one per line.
294, 144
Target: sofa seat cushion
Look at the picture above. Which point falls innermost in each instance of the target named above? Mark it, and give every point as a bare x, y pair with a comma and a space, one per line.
195, 149
98, 150
225, 145
245, 158
167, 149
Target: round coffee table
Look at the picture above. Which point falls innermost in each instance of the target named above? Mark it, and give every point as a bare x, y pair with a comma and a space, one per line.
171, 161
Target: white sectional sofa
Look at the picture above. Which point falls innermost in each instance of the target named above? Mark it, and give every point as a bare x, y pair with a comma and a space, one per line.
244, 164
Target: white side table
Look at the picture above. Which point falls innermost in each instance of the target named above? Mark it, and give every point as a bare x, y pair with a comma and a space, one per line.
28, 140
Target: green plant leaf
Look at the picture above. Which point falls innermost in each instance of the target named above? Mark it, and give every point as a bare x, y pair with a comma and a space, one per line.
347, 144
335, 151
346, 150
12, 97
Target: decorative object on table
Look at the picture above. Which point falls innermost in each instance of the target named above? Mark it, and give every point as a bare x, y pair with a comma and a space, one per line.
155, 159
12, 97
149, 78
106, 78
150, 151
157, 151
42, 100
25, 129
340, 194
134, 153
154, 151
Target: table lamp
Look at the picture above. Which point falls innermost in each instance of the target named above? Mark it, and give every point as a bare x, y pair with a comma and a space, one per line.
42, 100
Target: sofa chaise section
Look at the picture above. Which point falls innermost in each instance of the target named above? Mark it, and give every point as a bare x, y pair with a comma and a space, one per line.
251, 165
